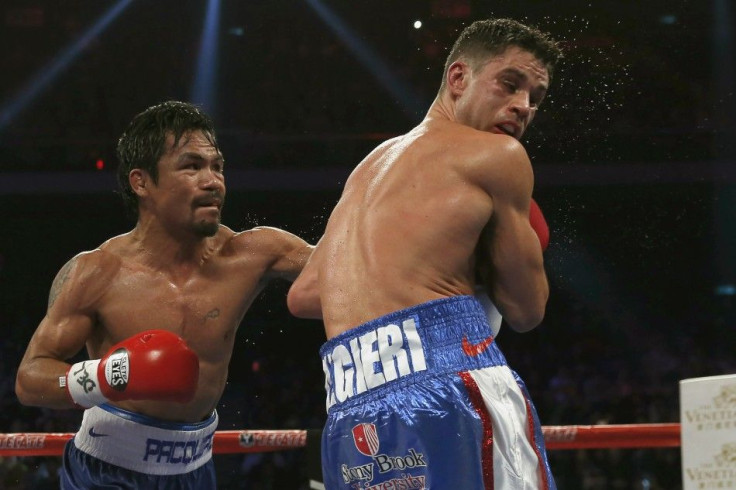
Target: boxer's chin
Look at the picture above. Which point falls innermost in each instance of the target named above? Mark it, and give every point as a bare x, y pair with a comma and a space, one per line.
206, 228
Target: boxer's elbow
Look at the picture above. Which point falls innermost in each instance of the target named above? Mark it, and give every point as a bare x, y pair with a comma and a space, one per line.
23, 392
527, 315
295, 303
20, 392
525, 320
303, 300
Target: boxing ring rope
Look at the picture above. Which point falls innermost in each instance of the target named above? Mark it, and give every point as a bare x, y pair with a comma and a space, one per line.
255, 441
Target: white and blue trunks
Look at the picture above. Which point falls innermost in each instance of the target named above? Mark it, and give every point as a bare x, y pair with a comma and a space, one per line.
423, 398
115, 448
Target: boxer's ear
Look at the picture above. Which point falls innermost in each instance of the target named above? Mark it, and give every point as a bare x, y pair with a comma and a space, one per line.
138, 180
458, 74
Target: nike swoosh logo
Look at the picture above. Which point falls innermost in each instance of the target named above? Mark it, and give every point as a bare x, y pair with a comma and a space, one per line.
474, 350
92, 433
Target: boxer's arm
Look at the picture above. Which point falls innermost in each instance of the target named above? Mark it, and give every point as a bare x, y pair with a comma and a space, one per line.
539, 225
292, 262
514, 269
156, 369
287, 253
61, 335
303, 299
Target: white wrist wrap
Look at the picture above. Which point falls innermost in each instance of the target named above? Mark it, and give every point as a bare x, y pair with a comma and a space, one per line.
492, 313
83, 385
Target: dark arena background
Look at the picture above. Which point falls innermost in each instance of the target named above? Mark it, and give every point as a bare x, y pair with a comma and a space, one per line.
635, 163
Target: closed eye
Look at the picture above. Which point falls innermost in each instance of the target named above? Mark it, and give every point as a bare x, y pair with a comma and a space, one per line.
510, 85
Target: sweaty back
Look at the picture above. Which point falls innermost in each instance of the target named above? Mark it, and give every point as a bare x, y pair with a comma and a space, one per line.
405, 229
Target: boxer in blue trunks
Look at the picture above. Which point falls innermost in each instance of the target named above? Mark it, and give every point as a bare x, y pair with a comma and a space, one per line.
150, 395
388, 382
418, 393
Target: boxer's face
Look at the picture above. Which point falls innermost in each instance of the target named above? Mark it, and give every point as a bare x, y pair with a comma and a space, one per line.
191, 184
503, 95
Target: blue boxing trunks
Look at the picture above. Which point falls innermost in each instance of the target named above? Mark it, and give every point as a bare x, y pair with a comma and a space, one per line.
116, 448
422, 398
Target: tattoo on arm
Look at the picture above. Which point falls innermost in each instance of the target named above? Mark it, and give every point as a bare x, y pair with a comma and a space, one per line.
59, 281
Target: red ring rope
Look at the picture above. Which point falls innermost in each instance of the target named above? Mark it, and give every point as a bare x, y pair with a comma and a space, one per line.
256, 441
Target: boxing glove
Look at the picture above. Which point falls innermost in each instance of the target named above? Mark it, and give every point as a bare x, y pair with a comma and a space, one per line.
152, 365
539, 224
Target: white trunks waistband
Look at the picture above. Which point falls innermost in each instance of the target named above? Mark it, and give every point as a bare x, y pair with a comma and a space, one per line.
144, 444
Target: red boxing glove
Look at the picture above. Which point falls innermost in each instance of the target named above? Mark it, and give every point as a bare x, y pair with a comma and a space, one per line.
539, 224
152, 365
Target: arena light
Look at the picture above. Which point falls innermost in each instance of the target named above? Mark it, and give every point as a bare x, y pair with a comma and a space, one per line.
50, 72
725, 290
409, 102
203, 88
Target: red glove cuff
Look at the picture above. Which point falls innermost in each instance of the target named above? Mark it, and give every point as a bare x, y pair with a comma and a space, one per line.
539, 224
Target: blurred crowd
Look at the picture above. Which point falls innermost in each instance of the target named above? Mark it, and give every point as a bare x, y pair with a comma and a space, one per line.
280, 85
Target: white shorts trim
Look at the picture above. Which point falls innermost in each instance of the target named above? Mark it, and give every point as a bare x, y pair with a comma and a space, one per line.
515, 462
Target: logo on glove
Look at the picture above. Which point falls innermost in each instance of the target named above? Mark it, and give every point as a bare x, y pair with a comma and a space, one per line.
117, 369
84, 379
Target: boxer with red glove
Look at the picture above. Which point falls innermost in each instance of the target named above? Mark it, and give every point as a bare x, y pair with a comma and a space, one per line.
152, 365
